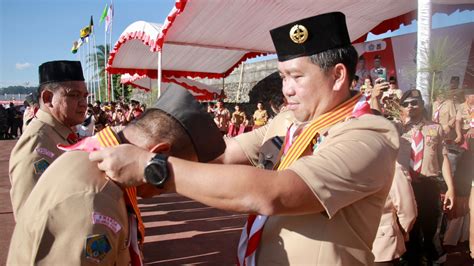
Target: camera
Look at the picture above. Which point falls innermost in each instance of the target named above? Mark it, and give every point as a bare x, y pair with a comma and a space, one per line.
382, 73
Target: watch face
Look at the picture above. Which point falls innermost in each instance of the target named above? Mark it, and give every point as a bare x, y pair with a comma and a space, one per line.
156, 172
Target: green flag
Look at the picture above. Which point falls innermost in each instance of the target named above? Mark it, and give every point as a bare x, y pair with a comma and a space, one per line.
104, 14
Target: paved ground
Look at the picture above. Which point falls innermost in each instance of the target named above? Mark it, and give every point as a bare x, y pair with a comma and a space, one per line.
179, 230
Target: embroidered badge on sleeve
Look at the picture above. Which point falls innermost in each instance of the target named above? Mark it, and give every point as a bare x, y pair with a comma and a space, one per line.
40, 166
97, 247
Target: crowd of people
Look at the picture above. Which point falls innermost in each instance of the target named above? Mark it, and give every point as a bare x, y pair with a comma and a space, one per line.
237, 122
337, 177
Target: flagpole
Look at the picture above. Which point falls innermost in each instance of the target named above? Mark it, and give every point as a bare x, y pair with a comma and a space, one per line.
105, 64
110, 41
96, 68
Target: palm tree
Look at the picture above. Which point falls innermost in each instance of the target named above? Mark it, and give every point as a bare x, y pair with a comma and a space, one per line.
97, 60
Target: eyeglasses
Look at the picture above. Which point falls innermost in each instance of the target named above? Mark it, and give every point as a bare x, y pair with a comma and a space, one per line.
412, 103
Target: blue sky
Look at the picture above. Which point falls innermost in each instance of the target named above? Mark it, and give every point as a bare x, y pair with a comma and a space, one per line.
36, 31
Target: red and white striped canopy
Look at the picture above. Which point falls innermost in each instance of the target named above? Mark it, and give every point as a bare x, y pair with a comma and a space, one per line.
209, 38
200, 91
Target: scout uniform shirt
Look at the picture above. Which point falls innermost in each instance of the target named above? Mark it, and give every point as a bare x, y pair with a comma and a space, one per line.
433, 150
398, 216
260, 117
33, 153
466, 116
350, 170
73, 216
444, 113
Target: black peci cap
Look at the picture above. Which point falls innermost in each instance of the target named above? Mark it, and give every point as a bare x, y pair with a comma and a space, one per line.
310, 36
205, 136
60, 71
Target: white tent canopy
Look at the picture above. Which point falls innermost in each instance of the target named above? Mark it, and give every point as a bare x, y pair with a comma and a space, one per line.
205, 38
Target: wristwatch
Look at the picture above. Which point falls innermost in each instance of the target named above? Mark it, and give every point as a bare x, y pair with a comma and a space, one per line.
156, 171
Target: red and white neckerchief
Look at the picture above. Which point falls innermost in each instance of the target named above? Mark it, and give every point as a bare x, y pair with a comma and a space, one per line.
253, 229
436, 113
416, 155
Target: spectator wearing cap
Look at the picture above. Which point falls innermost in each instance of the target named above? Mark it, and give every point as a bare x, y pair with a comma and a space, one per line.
424, 153
77, 216
63, 104
323, 203
393, 91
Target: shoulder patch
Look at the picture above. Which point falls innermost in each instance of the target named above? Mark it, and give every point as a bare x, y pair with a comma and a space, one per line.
40, 166
45, 152
111, 223
97, 247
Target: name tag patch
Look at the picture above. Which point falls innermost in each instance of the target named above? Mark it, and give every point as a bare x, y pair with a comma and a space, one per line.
111, 223
45, 152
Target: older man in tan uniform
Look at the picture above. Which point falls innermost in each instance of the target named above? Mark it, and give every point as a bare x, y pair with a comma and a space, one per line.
63, 104
321, 205
75, 215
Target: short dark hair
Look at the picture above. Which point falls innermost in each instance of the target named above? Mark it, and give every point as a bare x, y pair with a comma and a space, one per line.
346, 55
157, 126
377, 57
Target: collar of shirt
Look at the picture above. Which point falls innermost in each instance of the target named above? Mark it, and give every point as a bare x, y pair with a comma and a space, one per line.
48, 119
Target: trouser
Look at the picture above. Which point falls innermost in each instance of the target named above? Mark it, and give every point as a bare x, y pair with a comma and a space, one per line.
422, 236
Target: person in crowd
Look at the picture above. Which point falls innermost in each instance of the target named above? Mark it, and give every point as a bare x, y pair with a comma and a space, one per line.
361, 71
75, 215
136, 110
3, 123
63, 104
455, 91
322, 203
12, 115
211, 108
366, 88
393, 92
222, 117
465, 167
32, 107
377, 65
355, 81
86, 129
260, 116
423, 152
278, 104
238, 122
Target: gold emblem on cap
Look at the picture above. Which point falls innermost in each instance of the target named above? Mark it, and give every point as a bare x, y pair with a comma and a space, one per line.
298, 34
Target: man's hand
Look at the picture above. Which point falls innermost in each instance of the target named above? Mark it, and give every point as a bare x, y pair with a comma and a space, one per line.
448, 202
380, 86
125, 164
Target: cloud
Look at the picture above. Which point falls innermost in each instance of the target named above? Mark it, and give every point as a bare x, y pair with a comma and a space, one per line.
21, 66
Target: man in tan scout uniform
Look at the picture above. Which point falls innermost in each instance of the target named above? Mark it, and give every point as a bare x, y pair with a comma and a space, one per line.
76, 216
423, 152
63, 105
323, 205
465, 138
